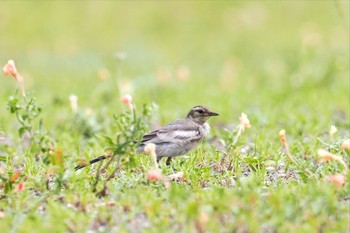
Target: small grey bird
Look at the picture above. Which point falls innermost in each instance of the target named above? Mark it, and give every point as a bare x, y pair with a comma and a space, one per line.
181, 136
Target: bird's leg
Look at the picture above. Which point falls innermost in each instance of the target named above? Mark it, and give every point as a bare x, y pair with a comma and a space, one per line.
159, 158
168, 160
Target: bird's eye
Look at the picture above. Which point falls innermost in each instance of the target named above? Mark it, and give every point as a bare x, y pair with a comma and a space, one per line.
200, 111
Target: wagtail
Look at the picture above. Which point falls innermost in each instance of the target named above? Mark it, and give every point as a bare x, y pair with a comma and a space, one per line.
181, 136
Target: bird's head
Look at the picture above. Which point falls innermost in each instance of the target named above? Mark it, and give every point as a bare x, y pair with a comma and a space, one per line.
200, 114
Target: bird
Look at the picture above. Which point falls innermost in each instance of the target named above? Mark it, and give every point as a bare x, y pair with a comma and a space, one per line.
175, 139
179, 137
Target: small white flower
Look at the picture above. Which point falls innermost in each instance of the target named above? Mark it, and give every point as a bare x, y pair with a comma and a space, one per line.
333, 130
73, 99
244, 121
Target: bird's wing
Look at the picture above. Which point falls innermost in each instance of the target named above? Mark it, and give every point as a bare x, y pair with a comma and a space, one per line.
149, 136
178, 130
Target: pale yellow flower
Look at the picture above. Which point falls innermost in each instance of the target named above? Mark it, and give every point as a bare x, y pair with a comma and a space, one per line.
333, 130
244, 122
150, 149
282, 134
73, 100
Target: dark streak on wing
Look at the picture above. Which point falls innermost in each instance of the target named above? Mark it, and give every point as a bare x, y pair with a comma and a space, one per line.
149, 136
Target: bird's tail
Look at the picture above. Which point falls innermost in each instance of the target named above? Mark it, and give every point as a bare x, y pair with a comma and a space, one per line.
85, 164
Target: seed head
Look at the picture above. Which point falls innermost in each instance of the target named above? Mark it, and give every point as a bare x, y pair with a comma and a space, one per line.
244, 122
337, 179
10, 69
154, 175
127, 99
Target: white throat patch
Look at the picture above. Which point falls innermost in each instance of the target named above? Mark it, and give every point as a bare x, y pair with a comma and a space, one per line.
206, 128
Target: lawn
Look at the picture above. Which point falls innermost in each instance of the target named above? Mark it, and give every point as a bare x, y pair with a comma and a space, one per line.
285, 64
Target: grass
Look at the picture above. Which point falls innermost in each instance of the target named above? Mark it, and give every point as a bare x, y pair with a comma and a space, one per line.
284, 64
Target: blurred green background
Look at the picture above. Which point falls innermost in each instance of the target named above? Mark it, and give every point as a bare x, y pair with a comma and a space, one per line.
233, 56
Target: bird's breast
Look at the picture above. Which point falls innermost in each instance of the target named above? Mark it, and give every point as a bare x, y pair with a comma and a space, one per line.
206, 128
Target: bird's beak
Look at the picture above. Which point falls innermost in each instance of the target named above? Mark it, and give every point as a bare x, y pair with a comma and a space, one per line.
213, 114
